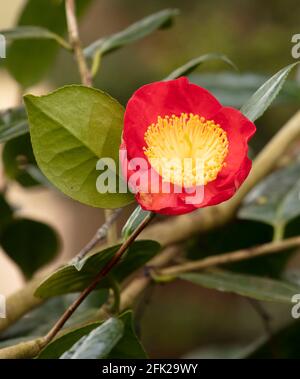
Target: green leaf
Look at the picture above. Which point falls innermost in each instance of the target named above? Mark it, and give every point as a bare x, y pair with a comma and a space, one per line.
129, 347
71, 129
17, 155
56, 348
134, 32
135, 219
6, 212
234, 89
245, 285
194, 63
68, 279
46, 14
266, 94
275, 200
30, 244
13, 123
98, 343
32, 32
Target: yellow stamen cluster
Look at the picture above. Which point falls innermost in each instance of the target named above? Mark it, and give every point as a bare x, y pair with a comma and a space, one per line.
186, 150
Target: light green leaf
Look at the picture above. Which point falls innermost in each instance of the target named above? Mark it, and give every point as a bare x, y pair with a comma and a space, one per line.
33, 32
98, 343
13, 123
266, 94
255, 287
68, 279
31, 244
275, 200
135, 219
194, 63
71, 129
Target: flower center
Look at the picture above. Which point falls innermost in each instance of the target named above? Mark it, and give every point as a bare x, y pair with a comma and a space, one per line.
186, 150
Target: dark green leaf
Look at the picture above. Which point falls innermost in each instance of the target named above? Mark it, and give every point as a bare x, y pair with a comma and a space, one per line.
69, 279
194, 63
129, 347
71, 129
56, 348
30, 244
13, 123
266, 94
46, 14
245, 285
17, 155
275, 200
98, 343
135, 219
32, 32
134, 32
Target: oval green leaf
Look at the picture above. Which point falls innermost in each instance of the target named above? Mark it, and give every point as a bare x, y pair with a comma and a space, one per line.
70, 130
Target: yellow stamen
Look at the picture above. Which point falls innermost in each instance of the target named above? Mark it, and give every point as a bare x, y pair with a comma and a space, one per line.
187, 150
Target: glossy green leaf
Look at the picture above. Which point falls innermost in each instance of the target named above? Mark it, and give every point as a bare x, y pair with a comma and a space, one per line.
47, 14
56, 348
17, 155
133, 33
275, 200
31, 244
135, 219
71, 129
13, 123
266, 94
255, 287
234, 89
68, 279
194, 63
128, 347
32, 32
98, 343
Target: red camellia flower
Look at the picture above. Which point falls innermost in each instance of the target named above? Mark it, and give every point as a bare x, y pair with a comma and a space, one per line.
181, 149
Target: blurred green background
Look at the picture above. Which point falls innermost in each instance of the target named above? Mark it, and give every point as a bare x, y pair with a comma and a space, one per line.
179, 319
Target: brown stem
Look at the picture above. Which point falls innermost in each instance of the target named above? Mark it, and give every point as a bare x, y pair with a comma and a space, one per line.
102, 274
239, 255
75, 42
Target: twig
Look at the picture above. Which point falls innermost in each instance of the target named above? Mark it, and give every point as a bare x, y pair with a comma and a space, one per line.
75, 42
235, 256
99, 236
102, 274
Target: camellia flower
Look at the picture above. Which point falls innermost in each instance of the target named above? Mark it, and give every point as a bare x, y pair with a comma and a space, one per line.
178, 136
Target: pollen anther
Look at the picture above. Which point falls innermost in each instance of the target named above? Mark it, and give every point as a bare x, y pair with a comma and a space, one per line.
187, 149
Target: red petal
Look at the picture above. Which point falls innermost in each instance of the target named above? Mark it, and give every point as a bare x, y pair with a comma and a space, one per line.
161, 99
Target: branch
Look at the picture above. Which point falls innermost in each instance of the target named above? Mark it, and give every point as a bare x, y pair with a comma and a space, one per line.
101, 275
179, 228
235, 256
75, 42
